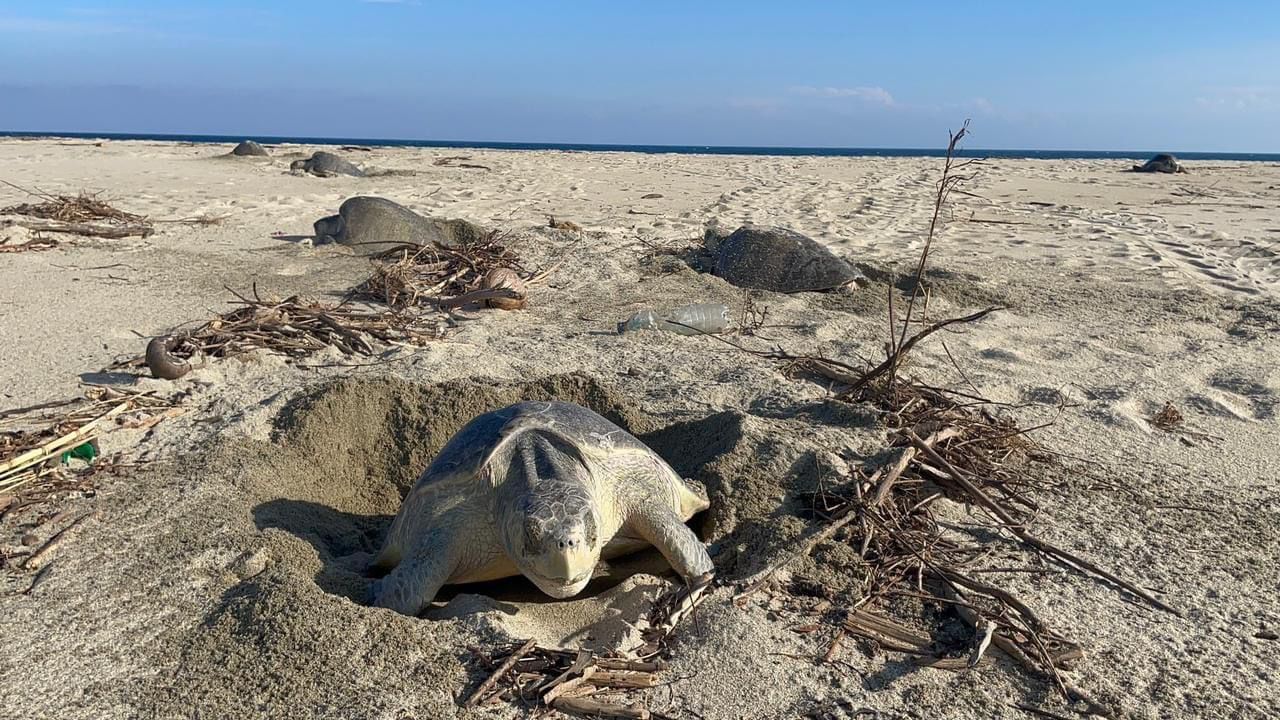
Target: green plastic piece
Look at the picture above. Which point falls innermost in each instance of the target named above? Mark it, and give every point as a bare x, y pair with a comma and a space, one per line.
86, 452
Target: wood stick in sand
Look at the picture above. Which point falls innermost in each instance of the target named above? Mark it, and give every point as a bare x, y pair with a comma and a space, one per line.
581, 663
834, 647
568, 686
503, 669
53, 447
589, 706
633, 665
1010, 648
624, 679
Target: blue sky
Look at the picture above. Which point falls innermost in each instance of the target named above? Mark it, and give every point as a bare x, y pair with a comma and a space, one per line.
1132, 75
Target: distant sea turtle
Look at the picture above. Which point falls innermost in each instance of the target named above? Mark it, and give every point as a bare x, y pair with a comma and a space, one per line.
543, 489
249, 148
326, 164
1164, 163
771, 258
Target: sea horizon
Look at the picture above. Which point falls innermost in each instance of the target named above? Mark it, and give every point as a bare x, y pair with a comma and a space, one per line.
761, 150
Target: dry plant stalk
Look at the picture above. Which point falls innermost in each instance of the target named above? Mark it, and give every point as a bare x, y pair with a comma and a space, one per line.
34, 244
948, 444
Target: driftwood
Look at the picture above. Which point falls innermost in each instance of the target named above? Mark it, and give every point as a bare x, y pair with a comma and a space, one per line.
588, 706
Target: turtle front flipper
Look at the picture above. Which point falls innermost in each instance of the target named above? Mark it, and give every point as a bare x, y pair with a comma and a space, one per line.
421, 572
662, 527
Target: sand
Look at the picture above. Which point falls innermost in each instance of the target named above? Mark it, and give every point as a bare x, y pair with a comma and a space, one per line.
223, 577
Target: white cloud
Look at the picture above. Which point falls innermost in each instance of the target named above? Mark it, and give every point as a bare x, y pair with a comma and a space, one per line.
1243, 97
875, 95
59, 27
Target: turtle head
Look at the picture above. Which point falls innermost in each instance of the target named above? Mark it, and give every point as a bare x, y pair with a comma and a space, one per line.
551, 528
559, 543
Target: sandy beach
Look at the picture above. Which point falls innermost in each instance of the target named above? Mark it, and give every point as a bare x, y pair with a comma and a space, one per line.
221, 574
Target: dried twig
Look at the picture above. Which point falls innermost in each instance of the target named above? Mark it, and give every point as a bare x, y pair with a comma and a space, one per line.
411, 275
503, 669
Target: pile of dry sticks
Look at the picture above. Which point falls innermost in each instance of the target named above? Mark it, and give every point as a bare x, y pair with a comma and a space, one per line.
945, 444
579, 681
447, 277
293, 327
83, 214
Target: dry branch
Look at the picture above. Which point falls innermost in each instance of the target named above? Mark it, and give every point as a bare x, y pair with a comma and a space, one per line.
34, 244
33, 440
36, 559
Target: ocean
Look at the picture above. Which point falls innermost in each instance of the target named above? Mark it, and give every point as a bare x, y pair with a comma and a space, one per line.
658, 149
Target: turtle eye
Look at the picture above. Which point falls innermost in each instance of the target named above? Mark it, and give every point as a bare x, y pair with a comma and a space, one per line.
533, 538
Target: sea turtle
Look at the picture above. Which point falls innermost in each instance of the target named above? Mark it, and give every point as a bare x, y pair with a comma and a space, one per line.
1164, 162
326, 164
778, 259
249, 148
543, 489
371, 225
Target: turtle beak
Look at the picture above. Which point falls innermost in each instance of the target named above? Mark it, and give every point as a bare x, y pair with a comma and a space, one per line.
561, 589
565, 569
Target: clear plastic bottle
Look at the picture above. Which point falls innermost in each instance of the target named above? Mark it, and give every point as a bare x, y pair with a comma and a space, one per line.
693, 319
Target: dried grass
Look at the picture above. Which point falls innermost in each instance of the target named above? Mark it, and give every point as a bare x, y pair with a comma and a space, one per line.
85, 207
